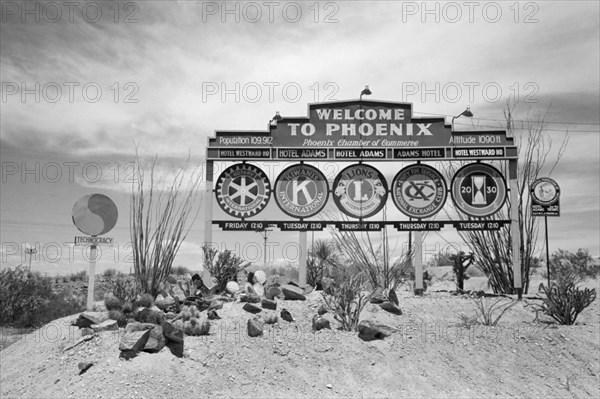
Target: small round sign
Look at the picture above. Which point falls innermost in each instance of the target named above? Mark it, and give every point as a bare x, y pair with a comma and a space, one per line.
301, 191
243, 190
95, 214
419, 191
545, 191
478, 190
360, 191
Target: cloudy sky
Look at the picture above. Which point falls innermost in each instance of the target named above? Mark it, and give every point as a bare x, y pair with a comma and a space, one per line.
82, 83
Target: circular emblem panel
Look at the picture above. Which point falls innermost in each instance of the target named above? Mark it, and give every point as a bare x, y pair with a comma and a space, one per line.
301, 191
243, 190
360, 191
545, 191
478, 190
95, 214
419, 191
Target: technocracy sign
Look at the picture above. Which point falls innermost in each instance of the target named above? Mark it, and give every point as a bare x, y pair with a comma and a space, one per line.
545, 197
358, 129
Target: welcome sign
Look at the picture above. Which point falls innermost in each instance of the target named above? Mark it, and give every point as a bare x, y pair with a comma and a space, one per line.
370, 130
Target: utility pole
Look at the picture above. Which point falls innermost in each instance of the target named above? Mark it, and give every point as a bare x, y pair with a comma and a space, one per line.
31, 251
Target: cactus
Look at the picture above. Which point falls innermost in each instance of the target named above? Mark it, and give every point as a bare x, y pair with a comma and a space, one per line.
564, 301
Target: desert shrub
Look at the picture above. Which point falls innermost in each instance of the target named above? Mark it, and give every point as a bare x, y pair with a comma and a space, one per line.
564, 301
112, 303
119, 316
109, 273
346, 300
223, 265
322, 256
180, 271
144, 301
125, 289
79, 276
149, 316
127, 307
490, 315
27, 299
287, 272
577, 266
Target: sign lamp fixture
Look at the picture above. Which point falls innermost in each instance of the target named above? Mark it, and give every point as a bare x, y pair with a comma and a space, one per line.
365, 92
276, 118
467, 112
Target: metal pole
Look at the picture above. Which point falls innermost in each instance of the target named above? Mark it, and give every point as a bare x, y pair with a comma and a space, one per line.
91, 278
208, 200
302, 238
418, 263
547, 250
514, 227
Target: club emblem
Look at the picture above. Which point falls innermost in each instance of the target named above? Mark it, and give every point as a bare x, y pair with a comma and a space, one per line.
360, 191
419, 191
243, 190
301, 191
478, 190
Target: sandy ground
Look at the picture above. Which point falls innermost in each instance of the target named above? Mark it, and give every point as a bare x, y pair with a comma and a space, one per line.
431, 355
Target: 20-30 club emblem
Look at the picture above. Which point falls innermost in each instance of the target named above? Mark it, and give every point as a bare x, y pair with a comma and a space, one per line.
243, 190
478, 189
419, 191
301, 191
360, 191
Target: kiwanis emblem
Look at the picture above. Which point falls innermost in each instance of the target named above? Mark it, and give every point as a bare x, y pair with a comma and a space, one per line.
360, 191
301, 191
419, 191
243, 190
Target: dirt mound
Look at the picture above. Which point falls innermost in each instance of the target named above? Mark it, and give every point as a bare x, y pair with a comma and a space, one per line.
431, 355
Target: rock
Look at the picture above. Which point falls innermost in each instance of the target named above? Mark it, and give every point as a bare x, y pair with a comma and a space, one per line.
172, 279
308, 289
215, 304
286, 315
79, 341
232, 287
172, 333
212, 315
86, 331
377, 299
156, 340
147, 315
177, 292
251, 298
84, 366
270, 318
259, 289
164, 303
248, 288
319, 323
393, 298
107, 325
269, 304
137, 326
273, 292
322, 310
369, 331
133, 342
260, 277
248, 307
86, 319
292, 293
174, 338
390, 307
255, 327
209, 282
176, 348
